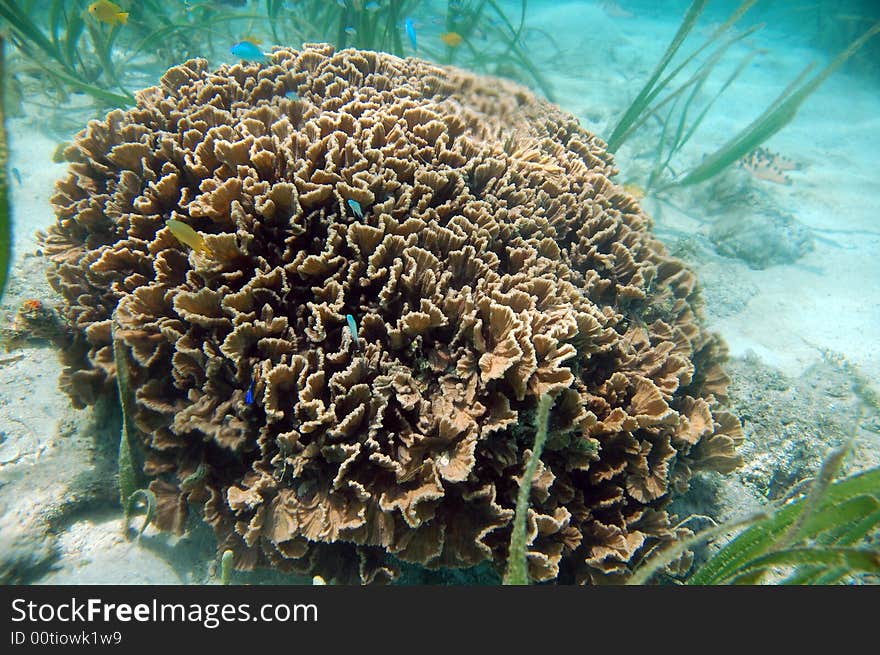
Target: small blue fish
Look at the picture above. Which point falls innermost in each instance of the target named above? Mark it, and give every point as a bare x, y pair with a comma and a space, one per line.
249, 396
411, 33
353, 328
356, 208
248, 51
292, 95
350, 30
372, 6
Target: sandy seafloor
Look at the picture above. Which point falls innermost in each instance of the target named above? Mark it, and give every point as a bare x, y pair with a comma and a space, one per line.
800, 334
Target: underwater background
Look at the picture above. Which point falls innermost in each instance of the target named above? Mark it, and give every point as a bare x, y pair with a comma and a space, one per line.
779, 224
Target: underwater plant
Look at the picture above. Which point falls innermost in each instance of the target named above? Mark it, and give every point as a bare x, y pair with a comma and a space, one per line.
658, 93
77, 50
392, 26
781, 112
95, 53
375, 25
517, 567
640, 108
58, 49
821, 537
226, 564
129, 466
500, 46
338, 386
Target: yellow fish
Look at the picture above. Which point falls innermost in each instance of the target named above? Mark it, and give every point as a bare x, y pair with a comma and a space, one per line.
452, 39
108, 12
188, 236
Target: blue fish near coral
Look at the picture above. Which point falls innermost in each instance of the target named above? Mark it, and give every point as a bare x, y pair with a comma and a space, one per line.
352, 328
411, 33
249, 396
356, 208
248, 51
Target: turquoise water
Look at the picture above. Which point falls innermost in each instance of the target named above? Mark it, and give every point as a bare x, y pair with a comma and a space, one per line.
341, 282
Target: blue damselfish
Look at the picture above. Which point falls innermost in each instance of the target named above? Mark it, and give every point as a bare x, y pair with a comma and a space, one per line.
355, 207
411, 33
248, 51
353, 328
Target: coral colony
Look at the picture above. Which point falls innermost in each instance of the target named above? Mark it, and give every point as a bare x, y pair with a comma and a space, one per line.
497, 263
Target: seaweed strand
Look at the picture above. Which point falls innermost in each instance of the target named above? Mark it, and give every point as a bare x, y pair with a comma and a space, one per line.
517, 569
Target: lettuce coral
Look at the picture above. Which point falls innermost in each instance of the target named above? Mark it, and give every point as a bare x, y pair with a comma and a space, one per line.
491, 260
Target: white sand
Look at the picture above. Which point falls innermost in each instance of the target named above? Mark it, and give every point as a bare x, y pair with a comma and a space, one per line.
31, 154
